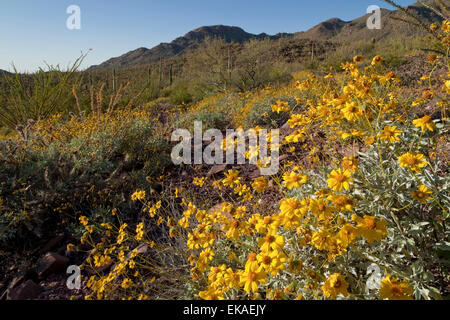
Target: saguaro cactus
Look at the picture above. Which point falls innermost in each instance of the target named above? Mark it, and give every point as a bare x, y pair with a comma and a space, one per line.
160, 73
114, 80
149, 75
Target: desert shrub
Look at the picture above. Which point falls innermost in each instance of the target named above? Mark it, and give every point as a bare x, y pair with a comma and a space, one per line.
38, 96
261, 113
180, 94
210, 120
394, 51
50, 177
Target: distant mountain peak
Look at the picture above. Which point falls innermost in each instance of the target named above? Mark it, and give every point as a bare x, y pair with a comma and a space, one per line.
335, 21
191, 39
219, 27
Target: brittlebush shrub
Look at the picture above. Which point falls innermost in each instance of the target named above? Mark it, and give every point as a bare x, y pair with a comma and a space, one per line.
64, 166
262, 114
363, 214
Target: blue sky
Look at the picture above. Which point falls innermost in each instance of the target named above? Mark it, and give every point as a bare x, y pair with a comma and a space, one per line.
34, 32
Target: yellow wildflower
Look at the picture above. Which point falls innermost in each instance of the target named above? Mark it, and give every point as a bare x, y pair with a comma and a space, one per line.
334, 286
138, 195
140, 231
260, 184
251, 277
446, 26
393, 289
127, 283
272, 241
422, 194
199, 181
376, 60
371, 228
231, 178
390, 134
352, 111
425, 123
350, 163
413, 161
339, 179
358, 59
294, 180
280, 107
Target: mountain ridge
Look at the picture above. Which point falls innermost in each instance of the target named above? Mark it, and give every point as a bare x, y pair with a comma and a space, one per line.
188, 41
333, 29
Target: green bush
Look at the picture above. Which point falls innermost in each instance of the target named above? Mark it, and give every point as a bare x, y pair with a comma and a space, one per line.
209, 119
262, 114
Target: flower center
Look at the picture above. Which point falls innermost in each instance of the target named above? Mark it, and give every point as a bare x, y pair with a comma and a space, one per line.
293, 205
371, 224
411, 161
337, 284
397, 291
267, 220
251, 276
340, 177
266, 260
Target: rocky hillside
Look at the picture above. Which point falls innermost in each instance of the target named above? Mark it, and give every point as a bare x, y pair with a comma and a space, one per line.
346, 31
188, 41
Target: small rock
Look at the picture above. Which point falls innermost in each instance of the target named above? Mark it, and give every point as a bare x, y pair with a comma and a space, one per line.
51, 263
255, 174
15, 282
142, 248
285, 126
52, 243
26, 291
216, 169
285, 130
